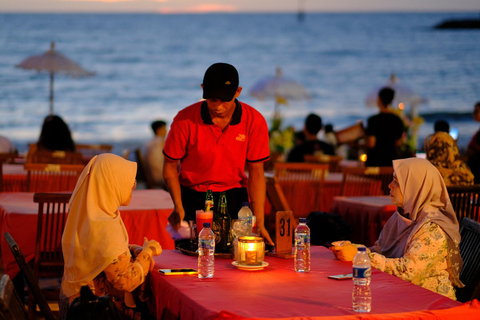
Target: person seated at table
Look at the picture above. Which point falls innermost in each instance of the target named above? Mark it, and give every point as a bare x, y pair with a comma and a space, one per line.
313, 125
95, 242
55, 135
154, 157
419, 243
6, 146
442, 151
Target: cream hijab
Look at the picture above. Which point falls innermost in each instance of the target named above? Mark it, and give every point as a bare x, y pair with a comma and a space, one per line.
425, 199
94, 234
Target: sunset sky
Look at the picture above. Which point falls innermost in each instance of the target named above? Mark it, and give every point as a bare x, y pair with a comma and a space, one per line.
197, 6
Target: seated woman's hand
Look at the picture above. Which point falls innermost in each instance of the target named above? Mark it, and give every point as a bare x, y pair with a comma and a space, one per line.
344, 250
151, 247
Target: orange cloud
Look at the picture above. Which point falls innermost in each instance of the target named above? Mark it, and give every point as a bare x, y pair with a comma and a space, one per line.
202, 8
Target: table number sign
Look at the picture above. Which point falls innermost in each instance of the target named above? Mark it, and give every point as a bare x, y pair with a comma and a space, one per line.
284, 227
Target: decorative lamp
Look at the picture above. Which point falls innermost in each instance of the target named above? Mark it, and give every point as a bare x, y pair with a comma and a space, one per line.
250, 251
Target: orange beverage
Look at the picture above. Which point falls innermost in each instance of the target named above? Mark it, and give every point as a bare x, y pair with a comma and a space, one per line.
204, 216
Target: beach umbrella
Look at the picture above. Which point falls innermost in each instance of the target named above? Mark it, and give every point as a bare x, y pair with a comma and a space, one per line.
53, 62
280, 89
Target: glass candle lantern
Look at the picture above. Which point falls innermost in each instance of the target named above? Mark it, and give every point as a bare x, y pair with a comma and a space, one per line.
251, 251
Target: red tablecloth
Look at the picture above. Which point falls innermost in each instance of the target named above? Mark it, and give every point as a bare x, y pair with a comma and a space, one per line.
278, 291
146, 216
367, 215
14, 178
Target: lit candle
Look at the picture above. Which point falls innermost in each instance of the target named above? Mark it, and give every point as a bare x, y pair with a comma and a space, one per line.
251, 250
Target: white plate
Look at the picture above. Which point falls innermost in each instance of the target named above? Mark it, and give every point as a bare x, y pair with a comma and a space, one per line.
249, 268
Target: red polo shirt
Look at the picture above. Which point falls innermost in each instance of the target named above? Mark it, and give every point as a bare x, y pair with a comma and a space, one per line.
210, 158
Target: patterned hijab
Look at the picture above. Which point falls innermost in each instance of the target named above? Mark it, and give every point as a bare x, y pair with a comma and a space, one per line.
94, 233
425, 199
442, 151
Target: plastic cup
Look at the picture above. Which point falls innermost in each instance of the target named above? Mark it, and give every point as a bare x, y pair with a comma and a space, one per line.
204, 216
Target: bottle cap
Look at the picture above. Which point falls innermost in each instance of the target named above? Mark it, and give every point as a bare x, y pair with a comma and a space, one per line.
206, 224
245, 204
362, 249
302, 220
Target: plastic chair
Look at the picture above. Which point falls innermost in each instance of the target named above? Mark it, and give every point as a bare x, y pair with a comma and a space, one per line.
366, 181
302, 183
42, 177
465, 201
469, 250
31, 281
11, 306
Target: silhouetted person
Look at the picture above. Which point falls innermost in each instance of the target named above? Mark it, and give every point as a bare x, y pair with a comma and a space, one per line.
55, 136
473, 149
313, 125
384, 132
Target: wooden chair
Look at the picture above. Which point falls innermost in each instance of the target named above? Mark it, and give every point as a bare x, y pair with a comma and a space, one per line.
55, 157
469, 250
143, 173
333, 161
366, 181
43, 177
52, 215
465, 201
32, 283
11, 306
91, 150
302, 183
277, 201
275, 195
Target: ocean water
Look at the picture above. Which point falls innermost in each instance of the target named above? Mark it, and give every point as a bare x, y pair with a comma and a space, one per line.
150, 66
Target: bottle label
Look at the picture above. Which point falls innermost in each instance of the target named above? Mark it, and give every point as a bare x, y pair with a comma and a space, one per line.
206, 244
208, 205
362, 272
302, 240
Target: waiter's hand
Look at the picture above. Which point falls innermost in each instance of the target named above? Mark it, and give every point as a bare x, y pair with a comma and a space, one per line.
264, 233
176, 218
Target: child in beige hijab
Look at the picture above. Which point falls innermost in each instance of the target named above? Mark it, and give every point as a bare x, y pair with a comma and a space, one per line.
419, 243
95, 241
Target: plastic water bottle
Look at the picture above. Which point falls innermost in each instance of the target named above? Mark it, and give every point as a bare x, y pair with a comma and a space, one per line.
245, 215
302, 246
361, 295
206, 250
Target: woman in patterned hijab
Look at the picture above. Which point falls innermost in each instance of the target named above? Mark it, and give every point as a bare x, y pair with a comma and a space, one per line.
442, 151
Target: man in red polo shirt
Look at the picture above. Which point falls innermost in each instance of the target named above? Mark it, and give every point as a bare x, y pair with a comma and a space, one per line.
213, 139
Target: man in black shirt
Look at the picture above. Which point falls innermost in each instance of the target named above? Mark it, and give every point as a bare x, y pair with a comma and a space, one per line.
384, 132
313, 124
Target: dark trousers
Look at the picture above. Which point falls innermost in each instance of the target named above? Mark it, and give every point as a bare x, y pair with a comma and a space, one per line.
194, 200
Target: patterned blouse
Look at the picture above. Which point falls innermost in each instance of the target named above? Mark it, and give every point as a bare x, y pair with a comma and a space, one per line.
124, 275
424, 263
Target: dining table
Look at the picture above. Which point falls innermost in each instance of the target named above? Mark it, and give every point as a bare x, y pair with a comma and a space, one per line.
14, 178
367, 215
145, 216
276, 291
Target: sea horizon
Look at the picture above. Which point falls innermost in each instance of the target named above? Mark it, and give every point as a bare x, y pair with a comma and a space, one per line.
150, 66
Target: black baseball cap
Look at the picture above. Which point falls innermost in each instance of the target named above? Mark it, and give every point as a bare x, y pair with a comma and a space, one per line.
220, 82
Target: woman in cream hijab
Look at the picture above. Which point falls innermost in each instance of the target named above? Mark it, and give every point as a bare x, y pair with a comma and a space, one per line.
419, 243
95, 241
